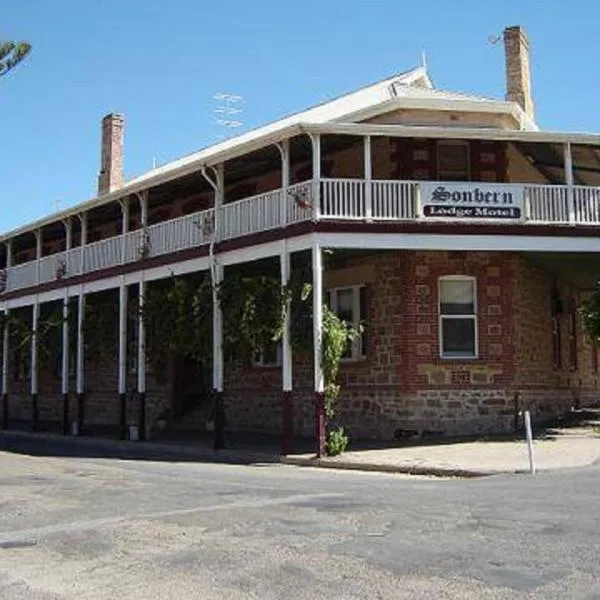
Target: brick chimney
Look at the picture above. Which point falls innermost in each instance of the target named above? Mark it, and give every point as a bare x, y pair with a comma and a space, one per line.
518, 72
111, 162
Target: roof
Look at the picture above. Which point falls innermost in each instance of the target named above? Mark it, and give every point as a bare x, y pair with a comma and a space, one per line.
410, 89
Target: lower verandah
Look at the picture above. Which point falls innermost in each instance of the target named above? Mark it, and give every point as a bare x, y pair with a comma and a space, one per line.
508, 330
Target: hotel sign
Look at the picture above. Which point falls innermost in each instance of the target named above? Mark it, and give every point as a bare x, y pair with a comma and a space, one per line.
471, 201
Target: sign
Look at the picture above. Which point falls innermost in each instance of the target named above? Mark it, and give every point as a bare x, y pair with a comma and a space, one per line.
471, 201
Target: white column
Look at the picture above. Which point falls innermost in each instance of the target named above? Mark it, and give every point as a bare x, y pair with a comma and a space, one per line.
5, 353
217, 278
141, 346
316, 165
319, 402
284, 150
34, 347
317, 272
143, 198
65, 346
219, 198
122, 357
80, 358
141, 362
9, 261
38, 252
124, 228
368, 178
83, 222
68, 244
568, 166
286, 346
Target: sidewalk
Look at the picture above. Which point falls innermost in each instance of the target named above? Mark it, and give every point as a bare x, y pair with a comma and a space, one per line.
466, 459
575, 445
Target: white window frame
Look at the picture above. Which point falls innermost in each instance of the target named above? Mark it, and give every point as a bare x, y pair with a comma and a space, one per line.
358, 353
474, 317
464, 143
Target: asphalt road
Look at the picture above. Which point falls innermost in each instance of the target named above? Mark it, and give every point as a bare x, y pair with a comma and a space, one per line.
106, 528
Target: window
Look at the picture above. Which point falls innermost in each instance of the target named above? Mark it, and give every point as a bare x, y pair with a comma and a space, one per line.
453, 160
458, 317
349, 304
269, 356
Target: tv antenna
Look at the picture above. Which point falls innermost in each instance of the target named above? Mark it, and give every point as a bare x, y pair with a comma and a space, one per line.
227, 109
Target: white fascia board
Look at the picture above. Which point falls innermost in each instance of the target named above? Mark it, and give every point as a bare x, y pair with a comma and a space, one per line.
510, 109
480, 243
374, 129
267, 250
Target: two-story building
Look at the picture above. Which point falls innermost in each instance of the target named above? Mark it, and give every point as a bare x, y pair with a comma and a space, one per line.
465, 238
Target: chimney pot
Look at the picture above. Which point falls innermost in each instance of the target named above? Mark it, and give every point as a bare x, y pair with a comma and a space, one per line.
518, 71
111, 161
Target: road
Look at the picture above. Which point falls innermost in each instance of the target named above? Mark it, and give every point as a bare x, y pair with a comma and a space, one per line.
96, 527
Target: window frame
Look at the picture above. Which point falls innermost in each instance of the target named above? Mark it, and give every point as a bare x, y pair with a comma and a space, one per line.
474, 317
358, 350
446, 143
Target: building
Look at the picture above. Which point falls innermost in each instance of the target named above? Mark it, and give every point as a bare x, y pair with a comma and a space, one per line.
465, 239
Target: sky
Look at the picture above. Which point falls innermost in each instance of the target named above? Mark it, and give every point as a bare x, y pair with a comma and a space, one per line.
161, 63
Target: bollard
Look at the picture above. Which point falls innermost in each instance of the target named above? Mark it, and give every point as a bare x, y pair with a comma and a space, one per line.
529, 442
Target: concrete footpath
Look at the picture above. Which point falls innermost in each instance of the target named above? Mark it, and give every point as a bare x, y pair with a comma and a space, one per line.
467, 459
571, 447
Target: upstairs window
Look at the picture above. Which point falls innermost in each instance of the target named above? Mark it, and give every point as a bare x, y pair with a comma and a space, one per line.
458, 317
453, 160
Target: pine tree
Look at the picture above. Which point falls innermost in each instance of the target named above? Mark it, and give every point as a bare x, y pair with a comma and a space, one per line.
11, 54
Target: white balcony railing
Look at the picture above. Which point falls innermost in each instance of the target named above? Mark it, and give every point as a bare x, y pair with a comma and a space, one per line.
250, 215
336, 199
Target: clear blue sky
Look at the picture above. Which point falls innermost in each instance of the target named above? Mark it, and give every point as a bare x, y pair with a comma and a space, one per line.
160, 63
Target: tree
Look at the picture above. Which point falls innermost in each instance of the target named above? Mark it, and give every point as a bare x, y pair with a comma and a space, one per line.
11, 54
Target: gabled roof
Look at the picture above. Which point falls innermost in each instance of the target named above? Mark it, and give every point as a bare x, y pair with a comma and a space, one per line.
340, 109
410, 89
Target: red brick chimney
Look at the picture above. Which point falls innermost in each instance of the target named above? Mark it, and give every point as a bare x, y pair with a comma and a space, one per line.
518, 72
111, 162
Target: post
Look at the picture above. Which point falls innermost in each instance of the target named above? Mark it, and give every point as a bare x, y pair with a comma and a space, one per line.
368, 178
83, 238
5, 355
529, 442
141, 363
68, 244
38, 252
219, 198
34, 366
122, 360
568, 163
316, 168
219, 408
143, 198
284, 151
317, 272
65, 364
80, 375
124, 228
9, 256
287, 409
